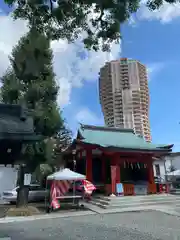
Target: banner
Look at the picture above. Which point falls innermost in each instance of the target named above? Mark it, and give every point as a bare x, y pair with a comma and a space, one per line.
53, 192
119, 189
88, 187
113, 179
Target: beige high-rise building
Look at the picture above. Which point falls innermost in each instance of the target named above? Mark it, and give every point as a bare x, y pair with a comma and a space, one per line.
124, 96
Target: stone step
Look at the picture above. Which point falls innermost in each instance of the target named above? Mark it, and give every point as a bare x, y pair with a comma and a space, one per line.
132, 197
132, 204
136, 199
173, 198
135, 204
175, 191
102, 201
98, 204
102, 198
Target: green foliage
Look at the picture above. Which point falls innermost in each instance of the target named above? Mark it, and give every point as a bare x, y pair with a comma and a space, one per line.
31, 81
54, 147
66, 19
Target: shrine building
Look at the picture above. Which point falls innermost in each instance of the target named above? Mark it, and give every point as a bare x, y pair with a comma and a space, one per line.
108, 156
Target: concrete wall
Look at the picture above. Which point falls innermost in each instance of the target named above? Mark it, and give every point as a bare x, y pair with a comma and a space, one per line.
8, 178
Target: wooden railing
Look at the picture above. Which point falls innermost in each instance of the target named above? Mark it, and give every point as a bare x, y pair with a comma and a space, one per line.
108, 189
128, 189
151, 188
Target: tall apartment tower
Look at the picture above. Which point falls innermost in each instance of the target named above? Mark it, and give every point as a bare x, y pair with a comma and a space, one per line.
124, 96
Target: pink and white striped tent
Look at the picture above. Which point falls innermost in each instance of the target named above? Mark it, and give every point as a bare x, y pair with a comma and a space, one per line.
62, 181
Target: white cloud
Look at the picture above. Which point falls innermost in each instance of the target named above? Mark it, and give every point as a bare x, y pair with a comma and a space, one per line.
166, 13
84, 115
154, 68
11, 31
71, 69
88, 117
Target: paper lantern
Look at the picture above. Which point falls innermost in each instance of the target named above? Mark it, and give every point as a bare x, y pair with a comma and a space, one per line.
124, 164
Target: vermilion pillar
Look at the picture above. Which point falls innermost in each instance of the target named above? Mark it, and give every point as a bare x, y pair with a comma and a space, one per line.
89, 165
150, 172
103, 169
116, 162
113, 179
115, 171
118, 175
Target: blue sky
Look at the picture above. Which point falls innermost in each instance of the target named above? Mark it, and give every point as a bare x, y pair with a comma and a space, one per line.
155, 44
151, 38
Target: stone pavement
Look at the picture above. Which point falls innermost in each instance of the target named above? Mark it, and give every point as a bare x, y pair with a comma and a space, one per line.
119, 209
94, 210
125, 226
6, 238
170, 209
46, 216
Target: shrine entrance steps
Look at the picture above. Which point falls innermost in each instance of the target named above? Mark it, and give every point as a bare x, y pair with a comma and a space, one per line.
175, 191
135, 201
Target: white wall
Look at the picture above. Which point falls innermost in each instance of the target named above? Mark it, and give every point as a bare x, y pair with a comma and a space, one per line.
170, 160
8, 178
168, 164
161, 166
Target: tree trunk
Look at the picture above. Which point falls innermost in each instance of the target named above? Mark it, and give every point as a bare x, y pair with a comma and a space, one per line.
22, 197
23, 191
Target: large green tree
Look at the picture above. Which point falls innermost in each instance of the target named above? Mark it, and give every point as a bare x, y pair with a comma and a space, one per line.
30, 81
65, 19
54, 159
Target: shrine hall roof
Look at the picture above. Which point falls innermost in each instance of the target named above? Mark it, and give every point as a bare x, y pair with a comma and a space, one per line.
118, 138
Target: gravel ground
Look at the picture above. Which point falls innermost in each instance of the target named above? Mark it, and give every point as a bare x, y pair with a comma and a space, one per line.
124, 226
3, 209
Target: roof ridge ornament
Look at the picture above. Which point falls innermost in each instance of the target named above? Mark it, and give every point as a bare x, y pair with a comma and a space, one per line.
81, 125
105, 128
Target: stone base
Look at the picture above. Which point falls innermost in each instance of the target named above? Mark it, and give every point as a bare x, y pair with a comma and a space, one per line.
22, 211
112, 195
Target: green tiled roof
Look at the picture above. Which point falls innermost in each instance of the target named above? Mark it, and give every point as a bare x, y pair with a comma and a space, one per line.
114, 137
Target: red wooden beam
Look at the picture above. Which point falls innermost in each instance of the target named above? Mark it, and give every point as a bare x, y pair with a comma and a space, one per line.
105, 151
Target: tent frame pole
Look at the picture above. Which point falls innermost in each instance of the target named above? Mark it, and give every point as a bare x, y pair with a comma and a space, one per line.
74, 192
46, 195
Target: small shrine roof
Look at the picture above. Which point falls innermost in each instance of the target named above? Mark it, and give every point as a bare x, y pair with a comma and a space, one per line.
16, 123
117, 138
